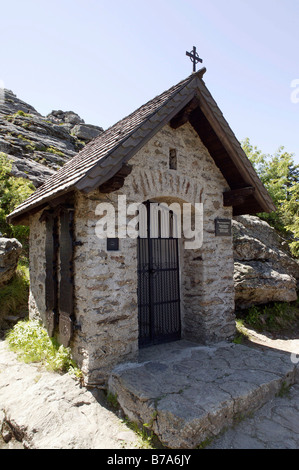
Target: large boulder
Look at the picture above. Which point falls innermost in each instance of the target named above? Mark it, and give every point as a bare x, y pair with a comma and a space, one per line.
10, 250
68, 117
86, 131
265, 271
75, 125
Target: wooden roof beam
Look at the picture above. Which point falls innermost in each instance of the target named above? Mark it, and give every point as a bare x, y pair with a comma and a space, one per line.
237, 196
117, 181
183, 116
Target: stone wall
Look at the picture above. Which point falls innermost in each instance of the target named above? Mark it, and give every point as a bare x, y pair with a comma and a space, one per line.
105, 296
106, 282
37, 267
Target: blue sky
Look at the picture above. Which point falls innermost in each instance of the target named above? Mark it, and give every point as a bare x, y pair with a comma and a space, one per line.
103, 59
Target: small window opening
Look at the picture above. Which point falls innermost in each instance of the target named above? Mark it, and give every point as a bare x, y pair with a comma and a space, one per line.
172, 159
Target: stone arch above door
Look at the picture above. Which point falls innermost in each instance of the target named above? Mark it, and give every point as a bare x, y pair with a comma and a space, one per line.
158, 184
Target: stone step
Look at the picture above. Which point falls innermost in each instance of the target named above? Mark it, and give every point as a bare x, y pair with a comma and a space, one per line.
187, 394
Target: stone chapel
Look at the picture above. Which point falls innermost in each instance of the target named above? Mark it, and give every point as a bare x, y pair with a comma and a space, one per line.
107, 297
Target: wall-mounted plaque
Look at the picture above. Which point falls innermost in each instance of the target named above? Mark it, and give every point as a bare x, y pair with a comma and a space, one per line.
112, 244
223, 227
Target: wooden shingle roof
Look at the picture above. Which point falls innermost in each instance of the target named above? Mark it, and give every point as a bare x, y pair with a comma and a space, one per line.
103, 157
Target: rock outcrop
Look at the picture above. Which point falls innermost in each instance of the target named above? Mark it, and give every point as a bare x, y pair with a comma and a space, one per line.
265, 271
75, 125
37, 145
10, 250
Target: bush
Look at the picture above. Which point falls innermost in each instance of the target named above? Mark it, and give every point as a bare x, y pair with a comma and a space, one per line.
22, 113
13, 191
32, 343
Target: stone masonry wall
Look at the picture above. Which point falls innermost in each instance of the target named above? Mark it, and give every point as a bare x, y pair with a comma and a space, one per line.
37, 263
105, 297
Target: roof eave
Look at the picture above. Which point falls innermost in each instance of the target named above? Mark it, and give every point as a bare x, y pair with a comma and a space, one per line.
232, 145
18, 217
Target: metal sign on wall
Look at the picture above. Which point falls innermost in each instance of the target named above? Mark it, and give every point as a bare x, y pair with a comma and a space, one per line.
223, 227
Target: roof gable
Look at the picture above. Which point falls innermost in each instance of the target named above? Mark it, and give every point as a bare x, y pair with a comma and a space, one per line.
102, 158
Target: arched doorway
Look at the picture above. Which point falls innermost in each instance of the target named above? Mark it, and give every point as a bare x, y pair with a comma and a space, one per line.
159, 310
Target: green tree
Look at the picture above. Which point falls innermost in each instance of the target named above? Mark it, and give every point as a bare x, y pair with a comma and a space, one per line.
13, 191
292, 207
280, 176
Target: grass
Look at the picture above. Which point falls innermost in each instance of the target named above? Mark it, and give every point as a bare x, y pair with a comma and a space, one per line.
207, 442
55, 151
284, 390
147, 438
242, 334
20, 113
31, 342
112, 401
274, 317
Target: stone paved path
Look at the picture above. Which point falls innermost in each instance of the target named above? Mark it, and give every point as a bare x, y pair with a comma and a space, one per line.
53, 411
190, 393
275, 426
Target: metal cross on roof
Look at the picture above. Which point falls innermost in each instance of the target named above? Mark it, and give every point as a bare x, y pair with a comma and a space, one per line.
194, 57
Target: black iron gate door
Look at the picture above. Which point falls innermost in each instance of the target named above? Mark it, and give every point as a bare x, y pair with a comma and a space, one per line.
158, 290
